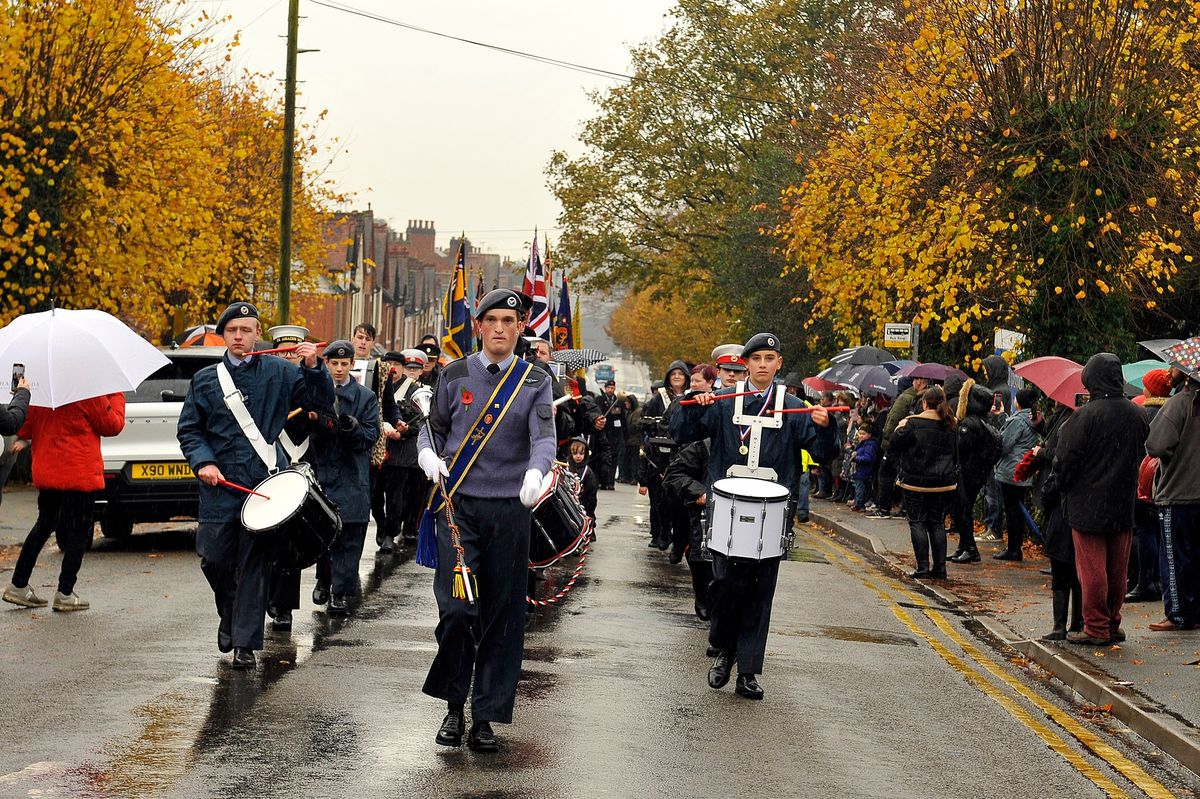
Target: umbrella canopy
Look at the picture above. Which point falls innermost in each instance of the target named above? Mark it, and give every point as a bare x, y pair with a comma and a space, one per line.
1060, 379
931, 371
865, 355
894, 367
204, 339
578, 359
1159, 346
820, 384
868, 379
1134, 372
75, 355
1185, 355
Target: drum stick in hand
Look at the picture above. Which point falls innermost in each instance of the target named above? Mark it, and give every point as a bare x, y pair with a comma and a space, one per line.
243, 489
278, 350
831, 409
721, 397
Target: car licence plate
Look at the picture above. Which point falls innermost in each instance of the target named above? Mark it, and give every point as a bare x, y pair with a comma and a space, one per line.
169, 470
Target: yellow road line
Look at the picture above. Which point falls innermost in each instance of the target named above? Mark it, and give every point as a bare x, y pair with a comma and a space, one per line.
1131, 771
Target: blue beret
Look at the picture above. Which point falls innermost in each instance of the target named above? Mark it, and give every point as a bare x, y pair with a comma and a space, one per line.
504, 299
340, 349
239, 310
761, 341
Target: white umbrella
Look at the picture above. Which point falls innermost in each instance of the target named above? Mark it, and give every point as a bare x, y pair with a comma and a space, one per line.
74, 355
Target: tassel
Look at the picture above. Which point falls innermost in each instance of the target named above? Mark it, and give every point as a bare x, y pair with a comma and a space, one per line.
427, 548
460, 591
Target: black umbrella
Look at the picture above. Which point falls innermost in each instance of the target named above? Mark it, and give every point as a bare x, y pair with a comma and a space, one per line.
860, 356
864, 378
1159, 346
579, 359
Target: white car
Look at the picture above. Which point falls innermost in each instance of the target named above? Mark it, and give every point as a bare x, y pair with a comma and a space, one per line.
146, 478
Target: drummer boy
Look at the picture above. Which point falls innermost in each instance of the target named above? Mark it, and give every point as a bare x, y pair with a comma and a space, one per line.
749, 439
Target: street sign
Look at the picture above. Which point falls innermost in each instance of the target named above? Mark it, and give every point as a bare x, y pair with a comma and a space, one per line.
897, 334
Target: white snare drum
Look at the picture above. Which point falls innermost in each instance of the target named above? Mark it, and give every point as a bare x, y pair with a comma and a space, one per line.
749, 518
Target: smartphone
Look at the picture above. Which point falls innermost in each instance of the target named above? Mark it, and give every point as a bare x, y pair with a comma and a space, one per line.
997, 400
1081, 400
18, 373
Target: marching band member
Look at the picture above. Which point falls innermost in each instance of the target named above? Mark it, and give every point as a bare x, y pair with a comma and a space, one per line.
432, 369
233, 434
742, 590
492, 416
341, 456
407, 487
657, 451
730, 365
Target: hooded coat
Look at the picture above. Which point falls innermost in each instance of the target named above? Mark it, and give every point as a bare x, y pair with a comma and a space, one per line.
979, 445
995, 378
1098, 453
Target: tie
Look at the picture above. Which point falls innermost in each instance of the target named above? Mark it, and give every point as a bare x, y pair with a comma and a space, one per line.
493, 368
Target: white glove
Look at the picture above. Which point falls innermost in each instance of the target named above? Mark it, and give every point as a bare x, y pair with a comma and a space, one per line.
531, 488
433, 466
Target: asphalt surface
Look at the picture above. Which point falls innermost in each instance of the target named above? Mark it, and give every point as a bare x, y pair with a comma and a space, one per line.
131, 698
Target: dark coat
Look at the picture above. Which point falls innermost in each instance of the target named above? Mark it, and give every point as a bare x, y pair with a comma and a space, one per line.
926, 451
1098, 453
208, 433
13, 415
589, 484
398, 407
865, 455
687, 480
342, 459
979, 444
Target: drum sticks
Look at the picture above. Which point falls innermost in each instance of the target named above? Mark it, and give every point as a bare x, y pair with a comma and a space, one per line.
278, 350
830, 409
721, 397
243, 489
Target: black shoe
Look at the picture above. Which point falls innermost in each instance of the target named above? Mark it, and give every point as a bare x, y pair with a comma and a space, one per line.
748, 687
711, 652
802, 519
1144, 594
676, 556
386, 546
320, 593
662, 545
718, 675
920, 574
282, 620
225, 634
481, 738
966, 556
339, 605
243, 658
451, 731
701, 612
653, 543
1004, 554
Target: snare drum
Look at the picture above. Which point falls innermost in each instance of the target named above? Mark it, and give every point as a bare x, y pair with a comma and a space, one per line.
560, 525
749, 518
298, 510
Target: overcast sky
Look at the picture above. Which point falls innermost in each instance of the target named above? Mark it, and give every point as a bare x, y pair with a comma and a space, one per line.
439, 130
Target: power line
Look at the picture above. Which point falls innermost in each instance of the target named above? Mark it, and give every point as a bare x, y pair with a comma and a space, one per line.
549, 61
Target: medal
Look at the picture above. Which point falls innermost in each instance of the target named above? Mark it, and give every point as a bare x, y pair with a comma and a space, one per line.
744, 432
744, 450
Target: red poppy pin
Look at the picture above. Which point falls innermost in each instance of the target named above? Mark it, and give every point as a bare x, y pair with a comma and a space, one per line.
467, 397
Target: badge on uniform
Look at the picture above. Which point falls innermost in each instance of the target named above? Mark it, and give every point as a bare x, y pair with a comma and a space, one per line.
487, 419
467, 397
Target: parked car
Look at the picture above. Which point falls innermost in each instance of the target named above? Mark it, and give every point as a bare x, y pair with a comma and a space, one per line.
146, 478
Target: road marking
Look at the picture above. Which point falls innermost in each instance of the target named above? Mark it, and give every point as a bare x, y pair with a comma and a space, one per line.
1123, 765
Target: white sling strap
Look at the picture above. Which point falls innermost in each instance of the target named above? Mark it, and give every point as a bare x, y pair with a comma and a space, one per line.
403, 388
295, 451
237, 406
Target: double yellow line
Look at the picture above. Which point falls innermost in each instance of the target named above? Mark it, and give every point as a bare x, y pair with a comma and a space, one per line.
850, 563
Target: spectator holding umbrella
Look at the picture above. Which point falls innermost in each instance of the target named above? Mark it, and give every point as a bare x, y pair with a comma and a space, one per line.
1096, 460
1175, 440
1147, 586
68, 471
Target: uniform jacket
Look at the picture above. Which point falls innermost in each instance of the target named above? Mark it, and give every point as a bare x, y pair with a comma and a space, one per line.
613, 408
1098, 453
208, 433
780, 448
1175, 441
342, 459
398, 407
66, 441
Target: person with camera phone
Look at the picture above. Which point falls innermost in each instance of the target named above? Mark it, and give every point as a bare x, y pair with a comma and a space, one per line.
12, 416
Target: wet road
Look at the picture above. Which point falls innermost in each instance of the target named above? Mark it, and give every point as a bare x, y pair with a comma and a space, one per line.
871, 691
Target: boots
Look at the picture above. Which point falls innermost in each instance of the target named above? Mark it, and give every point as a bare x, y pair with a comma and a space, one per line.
701, 577
1076, 610
1059, 633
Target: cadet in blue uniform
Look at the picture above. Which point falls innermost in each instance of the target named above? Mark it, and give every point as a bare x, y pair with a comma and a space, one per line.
742, 590
341, 456
491, 410
405, 486
217, 448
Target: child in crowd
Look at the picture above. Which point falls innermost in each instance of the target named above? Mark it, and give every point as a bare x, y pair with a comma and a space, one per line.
588, 481
865, 453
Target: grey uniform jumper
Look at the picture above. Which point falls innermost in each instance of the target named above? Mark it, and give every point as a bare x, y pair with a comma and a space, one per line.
486, 638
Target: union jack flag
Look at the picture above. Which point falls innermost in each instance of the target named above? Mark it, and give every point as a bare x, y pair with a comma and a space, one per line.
535, 286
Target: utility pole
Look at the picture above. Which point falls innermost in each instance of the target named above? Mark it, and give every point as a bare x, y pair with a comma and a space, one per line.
289, 167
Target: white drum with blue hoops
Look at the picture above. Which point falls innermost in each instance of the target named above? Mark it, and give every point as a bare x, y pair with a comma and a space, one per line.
749, 519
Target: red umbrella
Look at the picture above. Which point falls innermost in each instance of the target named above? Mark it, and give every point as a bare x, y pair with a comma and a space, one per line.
1060, 379
821, 384
204, 339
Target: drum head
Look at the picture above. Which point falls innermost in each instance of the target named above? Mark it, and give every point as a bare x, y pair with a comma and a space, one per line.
286, 489
750, 488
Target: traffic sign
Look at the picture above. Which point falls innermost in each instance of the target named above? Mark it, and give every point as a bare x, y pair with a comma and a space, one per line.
897, 334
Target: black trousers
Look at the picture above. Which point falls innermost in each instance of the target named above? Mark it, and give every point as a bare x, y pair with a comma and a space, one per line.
237, 566
885, 490
660, 501
1013, 497
486, 639
413, 496
740, 597
964, 515
68, 515
926, 514
387, 499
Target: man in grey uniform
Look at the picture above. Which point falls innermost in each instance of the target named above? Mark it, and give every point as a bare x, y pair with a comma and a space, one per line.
492, 418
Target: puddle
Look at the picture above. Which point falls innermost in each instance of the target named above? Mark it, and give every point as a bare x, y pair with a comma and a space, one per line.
536, 684
860, 635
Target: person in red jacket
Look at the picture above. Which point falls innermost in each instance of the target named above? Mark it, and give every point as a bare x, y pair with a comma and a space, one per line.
68, 471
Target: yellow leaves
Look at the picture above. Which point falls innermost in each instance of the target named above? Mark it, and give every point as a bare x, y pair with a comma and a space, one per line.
1104, 288
1058, 289
1081, 294
1152, 202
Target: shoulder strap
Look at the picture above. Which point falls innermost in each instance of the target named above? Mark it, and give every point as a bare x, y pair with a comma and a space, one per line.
295, 451
236, 404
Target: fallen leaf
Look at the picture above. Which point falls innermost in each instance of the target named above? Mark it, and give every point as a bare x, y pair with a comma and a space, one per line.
1137, 661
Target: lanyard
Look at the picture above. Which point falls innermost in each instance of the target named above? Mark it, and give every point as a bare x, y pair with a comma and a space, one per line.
744, 432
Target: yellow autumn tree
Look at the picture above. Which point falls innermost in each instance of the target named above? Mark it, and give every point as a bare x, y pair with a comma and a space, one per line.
1031, 165
661, 327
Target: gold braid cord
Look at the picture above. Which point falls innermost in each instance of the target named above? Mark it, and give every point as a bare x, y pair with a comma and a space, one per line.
462, 572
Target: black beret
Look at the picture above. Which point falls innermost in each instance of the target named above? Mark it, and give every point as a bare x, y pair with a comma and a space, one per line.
504, 299
239, 310
761, 341
340, 349
392, 355
430, 349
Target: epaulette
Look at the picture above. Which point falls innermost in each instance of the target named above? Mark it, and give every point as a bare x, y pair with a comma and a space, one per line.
455, 370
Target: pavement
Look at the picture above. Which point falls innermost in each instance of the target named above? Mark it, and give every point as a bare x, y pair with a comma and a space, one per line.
874, 687
1148, 679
